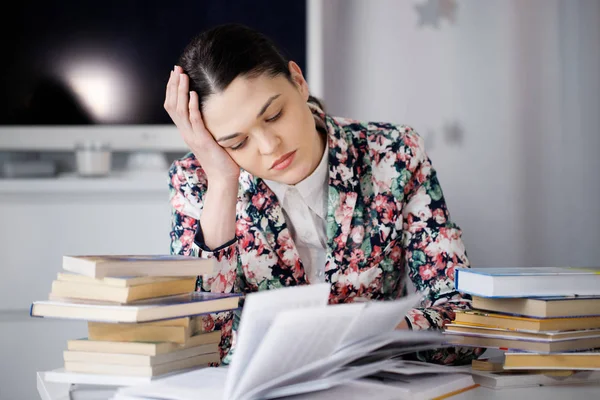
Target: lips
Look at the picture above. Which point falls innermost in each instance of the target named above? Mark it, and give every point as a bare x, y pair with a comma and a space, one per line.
283, 161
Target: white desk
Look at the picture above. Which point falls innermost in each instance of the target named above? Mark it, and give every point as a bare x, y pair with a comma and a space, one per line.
60, 391
51, 390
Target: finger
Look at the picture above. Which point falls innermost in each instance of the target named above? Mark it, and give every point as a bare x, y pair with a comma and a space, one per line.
196, 115
174, 85
183, 97
170, 94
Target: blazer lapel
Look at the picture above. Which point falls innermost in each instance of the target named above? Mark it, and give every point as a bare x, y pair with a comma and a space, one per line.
267, 219
343, 198
266, 214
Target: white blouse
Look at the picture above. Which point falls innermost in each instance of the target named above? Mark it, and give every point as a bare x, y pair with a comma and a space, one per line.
305, 210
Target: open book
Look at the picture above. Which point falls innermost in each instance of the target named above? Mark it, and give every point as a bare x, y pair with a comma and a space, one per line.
291, 342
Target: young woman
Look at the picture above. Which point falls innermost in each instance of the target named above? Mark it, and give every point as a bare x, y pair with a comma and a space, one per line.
282, 194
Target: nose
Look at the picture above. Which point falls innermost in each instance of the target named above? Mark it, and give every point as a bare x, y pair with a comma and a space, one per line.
268, 142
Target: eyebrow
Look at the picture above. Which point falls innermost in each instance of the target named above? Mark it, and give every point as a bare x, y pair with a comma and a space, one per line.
260, 113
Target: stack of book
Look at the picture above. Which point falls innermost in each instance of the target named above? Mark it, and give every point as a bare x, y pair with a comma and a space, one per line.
140, 323
543, 319
291, 341
494, 372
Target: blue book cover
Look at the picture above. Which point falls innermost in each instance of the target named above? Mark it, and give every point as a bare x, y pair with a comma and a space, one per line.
529, 271
186, 298
133, 258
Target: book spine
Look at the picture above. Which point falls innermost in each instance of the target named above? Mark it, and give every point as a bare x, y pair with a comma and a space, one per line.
456, 274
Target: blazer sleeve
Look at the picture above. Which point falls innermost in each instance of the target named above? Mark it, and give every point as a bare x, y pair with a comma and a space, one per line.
433, 249
186, 239
186, 196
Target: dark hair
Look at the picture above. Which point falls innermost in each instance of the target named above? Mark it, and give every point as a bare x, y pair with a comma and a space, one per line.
214, 58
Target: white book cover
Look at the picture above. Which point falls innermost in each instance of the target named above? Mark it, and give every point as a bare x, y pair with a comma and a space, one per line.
528, 281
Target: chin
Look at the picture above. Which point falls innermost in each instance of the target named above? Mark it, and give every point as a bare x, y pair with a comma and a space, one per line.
291, 177
287, 180
299, 174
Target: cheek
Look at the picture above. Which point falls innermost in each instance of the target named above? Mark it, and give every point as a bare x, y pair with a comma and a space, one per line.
297, 130
248, 160
290, 132
240, 158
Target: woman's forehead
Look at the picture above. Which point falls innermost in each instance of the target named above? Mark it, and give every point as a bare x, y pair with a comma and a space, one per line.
243, 89
239, 104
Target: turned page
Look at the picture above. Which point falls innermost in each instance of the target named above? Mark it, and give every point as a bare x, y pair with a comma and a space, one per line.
295, 339
258, 313
380, 323
378, 317
203, 383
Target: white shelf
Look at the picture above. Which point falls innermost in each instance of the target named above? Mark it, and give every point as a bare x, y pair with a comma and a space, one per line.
116, 137
114, 183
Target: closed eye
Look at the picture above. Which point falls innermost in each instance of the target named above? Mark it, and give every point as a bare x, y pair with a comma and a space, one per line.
275, 117
239, 145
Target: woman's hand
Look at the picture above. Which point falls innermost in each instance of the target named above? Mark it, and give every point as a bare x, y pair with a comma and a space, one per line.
218, 216
184, 109
402, 325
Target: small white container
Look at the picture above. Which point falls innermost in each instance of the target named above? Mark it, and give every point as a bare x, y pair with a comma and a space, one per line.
93, 159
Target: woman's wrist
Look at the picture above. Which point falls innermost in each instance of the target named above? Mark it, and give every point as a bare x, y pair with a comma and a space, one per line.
218, 215
404, 325
226, 189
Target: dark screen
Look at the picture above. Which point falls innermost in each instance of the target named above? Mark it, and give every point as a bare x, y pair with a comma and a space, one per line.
107, 62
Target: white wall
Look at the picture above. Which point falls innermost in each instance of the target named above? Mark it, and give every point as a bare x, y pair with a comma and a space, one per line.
40, 221
580, 144
522, 80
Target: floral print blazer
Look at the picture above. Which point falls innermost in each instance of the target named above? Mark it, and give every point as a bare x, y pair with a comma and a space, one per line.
387, 221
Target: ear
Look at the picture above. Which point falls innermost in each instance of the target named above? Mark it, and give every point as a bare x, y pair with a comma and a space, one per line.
299, 80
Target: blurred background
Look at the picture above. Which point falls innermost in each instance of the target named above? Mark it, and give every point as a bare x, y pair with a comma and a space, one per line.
506, 94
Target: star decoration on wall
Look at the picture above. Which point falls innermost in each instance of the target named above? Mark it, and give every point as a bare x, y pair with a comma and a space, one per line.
432, 11
454, 133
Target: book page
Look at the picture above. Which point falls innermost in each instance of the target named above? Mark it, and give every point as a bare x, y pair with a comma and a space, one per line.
258, 313
378, 317
312, 371
296, 338
395, 339
343, 376
409, 367
402, 341
358, 389
390, 344
205, 383
315, 370
392, 352
427, 386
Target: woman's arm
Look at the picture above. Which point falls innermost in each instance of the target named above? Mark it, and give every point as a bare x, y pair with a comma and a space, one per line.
203, 222
187, 199
186, 239
433, 249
